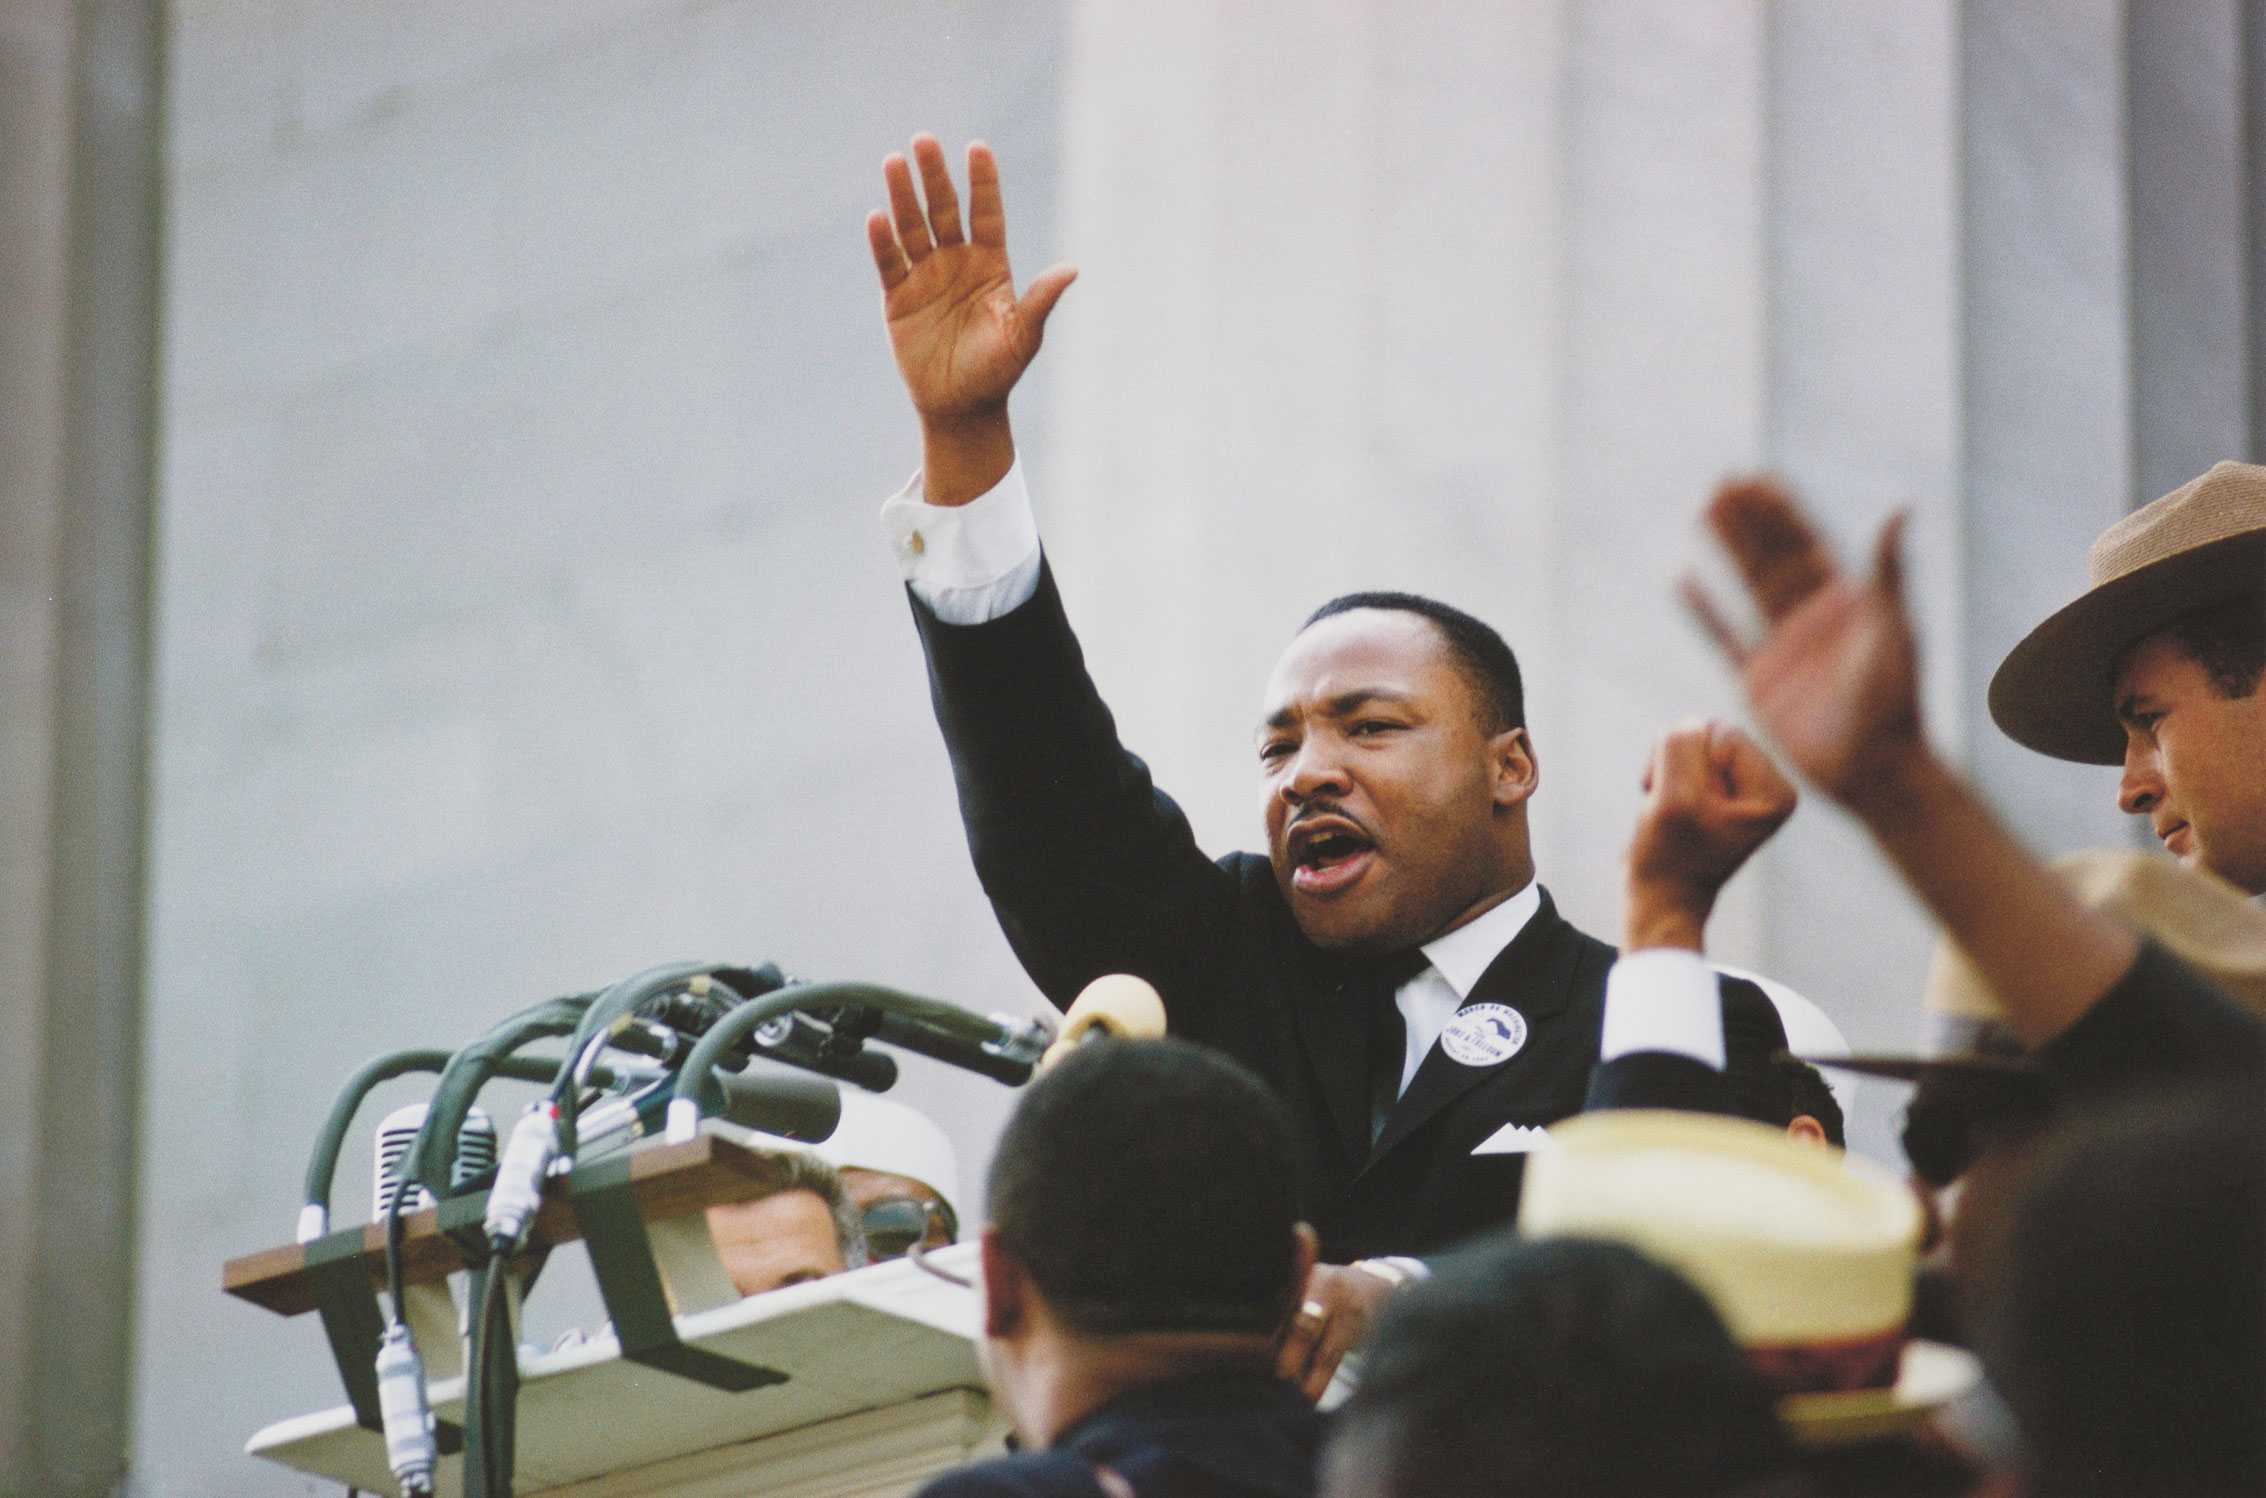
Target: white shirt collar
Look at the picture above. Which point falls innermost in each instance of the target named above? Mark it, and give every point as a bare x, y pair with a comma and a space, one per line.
1464, 954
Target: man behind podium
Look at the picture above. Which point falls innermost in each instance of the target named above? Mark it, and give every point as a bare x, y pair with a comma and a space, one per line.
1142, 1256
1390, 966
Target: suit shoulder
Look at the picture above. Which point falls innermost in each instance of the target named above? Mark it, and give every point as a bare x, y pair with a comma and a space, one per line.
1250, 871
1593, 959
1031, 1474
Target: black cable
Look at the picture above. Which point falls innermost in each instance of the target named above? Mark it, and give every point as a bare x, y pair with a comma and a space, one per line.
489, 1386
394, 1312
503, 1392
461, 1080
475, 1392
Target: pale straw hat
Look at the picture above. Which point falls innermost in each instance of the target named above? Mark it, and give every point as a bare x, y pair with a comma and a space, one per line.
1807, 1255
2203, 543
2199, 918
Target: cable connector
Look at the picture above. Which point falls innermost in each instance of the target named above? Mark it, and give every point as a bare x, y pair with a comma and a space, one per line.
518, 1193
411, 1451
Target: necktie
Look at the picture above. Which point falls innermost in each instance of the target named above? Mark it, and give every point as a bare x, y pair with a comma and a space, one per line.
1377, 980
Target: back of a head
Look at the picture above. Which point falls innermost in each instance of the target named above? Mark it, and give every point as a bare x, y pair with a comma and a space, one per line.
1566, 1366
1151, 1185
1808, 1095
2127, 1311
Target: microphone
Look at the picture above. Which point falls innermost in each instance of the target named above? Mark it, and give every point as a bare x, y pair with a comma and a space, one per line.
1115, 1004
769, 1097
998, 1046
667, 1028
475, 1156
802, 1040
777, 1099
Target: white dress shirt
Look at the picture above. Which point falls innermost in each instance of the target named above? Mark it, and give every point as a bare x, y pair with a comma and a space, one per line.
1455, 962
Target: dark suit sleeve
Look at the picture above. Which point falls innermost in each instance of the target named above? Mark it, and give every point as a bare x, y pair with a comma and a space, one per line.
1089, 866
1753, 1035
1657, 1079
2162, 1018
1049, 1474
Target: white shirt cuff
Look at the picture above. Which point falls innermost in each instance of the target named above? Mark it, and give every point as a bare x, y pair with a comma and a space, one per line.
968, 563
1663, 999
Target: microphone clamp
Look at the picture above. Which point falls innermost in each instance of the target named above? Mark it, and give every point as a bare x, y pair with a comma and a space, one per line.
411, 1451
1022, 1040
518, 1193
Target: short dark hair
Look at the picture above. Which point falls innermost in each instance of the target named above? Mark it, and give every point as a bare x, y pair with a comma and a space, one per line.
1151, 1185
2228, 640
1796, 1088
2123, 1314
1478, 651
1565, 1366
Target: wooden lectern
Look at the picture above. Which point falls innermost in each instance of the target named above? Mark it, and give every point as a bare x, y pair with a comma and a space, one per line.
864, 1384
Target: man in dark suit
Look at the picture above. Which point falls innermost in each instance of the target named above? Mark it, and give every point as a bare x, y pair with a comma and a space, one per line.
1390, 966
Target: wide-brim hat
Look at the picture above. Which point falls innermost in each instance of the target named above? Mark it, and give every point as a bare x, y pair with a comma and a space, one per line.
1807, 1254
2203, 543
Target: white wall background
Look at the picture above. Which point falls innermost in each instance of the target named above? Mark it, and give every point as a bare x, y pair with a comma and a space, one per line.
523, 615
523, 618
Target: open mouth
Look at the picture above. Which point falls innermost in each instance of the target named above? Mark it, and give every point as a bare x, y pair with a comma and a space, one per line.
1328, 857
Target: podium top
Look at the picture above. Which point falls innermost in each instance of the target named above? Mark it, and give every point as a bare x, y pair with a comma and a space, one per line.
668, 1180
883, 1390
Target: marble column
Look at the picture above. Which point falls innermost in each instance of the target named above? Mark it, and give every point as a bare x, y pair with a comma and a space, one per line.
2046, 359
1864, 418
80, 123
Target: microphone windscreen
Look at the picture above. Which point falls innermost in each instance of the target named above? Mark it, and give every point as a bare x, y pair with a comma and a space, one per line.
1115, 1004
779, 1099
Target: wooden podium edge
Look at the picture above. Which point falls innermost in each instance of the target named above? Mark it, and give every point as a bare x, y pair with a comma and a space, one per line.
669, 1180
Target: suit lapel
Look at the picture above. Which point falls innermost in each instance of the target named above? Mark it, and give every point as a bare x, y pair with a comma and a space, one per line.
1533, 975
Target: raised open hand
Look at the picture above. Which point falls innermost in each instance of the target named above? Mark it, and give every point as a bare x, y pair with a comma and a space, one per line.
1836, 677
961, 335
1712, 797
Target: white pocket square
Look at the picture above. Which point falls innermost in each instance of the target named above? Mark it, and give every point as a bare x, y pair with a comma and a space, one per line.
1514, 1139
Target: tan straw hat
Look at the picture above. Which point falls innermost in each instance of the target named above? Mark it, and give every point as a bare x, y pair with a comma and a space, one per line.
2199, 918
2201, 544
2196, 916
1806, 1254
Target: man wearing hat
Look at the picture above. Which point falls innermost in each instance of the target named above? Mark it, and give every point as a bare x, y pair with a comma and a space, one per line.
2156, 666
1835, 679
